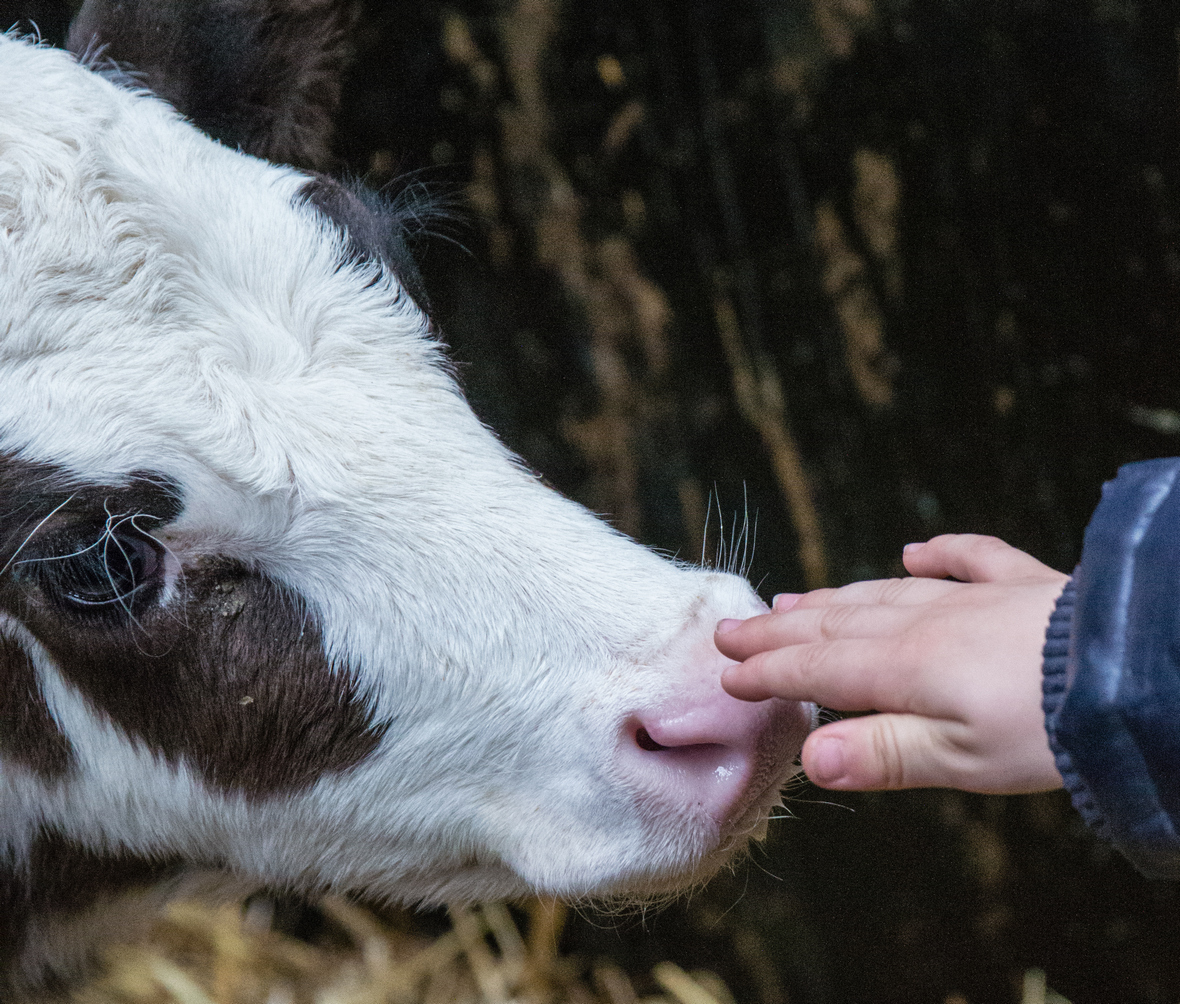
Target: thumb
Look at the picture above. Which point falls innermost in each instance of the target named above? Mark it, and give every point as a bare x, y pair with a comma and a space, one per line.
878, 752
971, 557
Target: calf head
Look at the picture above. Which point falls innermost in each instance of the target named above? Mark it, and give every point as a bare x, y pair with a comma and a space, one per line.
275, 608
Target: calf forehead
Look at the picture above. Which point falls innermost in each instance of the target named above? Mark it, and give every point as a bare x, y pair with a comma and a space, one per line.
174, 293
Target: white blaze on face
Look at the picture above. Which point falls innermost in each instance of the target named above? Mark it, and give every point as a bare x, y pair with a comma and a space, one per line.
169, 305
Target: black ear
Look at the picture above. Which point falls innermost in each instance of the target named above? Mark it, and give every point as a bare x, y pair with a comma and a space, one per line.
381, 228
262, 75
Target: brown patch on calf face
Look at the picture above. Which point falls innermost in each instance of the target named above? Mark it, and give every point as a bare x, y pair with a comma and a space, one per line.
233, 679
28, 734
229, 675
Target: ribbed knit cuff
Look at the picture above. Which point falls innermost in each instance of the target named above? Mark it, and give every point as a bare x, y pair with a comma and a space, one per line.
1055, 683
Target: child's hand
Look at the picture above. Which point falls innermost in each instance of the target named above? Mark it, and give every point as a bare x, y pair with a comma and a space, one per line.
952, 668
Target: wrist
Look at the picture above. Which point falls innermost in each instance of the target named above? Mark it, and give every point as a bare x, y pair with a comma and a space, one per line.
1056, 678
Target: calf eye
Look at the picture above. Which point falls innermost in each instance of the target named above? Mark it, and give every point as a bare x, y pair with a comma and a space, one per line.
120, 570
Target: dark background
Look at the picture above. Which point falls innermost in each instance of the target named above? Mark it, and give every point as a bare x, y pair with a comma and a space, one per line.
879, 269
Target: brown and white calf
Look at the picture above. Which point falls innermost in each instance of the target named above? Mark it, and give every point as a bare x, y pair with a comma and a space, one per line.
275, 608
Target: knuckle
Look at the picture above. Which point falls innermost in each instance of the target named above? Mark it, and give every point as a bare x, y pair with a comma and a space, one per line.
835, 622
893, 590
918, 641
987, 543
965, 542
810, 661
888, 752
983, 548
946, 540
816, 598
918, 652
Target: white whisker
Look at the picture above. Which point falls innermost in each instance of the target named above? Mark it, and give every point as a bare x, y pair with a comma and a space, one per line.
34, 532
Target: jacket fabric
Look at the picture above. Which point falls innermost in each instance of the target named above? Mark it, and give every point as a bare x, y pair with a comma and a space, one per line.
1112, 669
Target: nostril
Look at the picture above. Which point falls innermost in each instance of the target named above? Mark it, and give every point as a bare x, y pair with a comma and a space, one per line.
689, 767
644, 741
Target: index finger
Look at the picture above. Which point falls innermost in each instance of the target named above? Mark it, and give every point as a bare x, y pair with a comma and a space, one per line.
858, 674
800, 627
887, 592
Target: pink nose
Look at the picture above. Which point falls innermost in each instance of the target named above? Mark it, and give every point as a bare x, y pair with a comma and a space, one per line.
713, 753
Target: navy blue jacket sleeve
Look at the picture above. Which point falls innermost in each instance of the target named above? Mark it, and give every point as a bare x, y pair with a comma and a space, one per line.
1112, 669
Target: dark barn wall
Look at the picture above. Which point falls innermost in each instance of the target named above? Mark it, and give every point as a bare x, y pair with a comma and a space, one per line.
881, 269
932, 241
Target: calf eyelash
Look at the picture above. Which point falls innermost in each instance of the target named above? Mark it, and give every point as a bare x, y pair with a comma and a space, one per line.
32, 533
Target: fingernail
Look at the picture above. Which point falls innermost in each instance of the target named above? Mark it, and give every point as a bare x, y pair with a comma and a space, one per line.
784, 601
827, 761
727, 625
911, 548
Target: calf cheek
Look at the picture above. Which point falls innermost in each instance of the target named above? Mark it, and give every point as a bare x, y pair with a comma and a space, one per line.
232, 679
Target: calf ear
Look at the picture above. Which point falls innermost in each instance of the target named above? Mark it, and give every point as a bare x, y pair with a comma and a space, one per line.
261, 75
